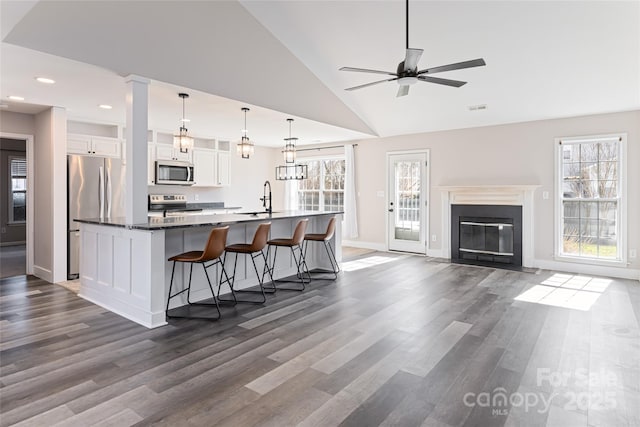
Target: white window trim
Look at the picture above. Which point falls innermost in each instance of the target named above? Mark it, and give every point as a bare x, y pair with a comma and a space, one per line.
318, 158
10, 220
622, 215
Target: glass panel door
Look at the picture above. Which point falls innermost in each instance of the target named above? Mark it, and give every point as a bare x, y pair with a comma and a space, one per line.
407, 202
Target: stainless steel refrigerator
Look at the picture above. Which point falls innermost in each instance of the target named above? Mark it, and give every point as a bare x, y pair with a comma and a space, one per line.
95, 190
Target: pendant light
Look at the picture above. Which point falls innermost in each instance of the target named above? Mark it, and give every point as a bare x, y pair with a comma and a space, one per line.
183, 141
290, 146
245, 147
290, 170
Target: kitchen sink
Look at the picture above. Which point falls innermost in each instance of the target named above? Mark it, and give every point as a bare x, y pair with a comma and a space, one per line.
260, 213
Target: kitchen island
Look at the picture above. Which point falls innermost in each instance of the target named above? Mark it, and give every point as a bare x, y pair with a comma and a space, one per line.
124, 268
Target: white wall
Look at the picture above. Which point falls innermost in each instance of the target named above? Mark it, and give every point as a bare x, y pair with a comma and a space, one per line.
521, 153
17, 123
50, 223
247, 180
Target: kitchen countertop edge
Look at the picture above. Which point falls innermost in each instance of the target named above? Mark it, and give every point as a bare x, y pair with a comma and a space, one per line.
200, 220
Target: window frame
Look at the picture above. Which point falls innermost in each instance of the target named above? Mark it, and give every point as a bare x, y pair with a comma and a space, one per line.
10, 191
621, 200
321, 204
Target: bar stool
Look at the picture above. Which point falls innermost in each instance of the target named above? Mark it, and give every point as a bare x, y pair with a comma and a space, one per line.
325, 239
211, 254
295, 243
255, 250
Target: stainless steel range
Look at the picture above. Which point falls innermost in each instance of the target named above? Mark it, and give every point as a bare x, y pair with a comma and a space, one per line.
170, 205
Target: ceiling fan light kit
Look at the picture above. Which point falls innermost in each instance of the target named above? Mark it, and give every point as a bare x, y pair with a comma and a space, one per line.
407, 73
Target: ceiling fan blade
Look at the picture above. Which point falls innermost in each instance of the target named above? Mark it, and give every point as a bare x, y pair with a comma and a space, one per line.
365, 70
371, 84
402, 91
411, 59
447, 82
457, 66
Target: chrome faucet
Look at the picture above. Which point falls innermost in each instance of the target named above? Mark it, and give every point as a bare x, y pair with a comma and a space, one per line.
264, 197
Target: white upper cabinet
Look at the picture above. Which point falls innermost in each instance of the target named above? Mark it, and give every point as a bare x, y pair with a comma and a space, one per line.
167, 152
94, 146
204, 167
224, 159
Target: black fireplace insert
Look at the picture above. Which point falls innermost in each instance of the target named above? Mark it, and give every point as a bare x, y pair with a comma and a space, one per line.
489, 235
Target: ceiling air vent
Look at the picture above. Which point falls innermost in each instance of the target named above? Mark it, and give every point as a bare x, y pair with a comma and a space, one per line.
477, 107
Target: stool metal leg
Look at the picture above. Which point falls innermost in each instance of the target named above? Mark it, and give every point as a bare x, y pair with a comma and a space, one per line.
301, 267
335, 267
188, 291
228, 280
263, 290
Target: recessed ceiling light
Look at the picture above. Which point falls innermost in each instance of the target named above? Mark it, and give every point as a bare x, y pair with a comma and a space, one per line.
105, 106
45, 80
16, 98
478, 107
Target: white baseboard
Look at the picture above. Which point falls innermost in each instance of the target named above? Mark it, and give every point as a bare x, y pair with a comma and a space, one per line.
436, 253
365, 245
43, 273
598, 270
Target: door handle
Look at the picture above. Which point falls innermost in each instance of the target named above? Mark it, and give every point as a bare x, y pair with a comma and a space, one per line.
390, 210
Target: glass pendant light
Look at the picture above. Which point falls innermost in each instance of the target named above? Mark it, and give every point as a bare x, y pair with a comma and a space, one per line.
289, 151
182, 141
245, 147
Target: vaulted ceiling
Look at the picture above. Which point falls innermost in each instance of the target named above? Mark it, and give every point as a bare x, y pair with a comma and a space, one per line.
544, 60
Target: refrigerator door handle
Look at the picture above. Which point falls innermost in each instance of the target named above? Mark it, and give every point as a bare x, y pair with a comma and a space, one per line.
108, 198
101, 191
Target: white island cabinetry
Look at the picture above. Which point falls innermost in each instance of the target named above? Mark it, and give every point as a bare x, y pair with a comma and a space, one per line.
124, 268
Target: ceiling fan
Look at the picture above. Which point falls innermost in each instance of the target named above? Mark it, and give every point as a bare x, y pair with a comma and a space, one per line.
407, 72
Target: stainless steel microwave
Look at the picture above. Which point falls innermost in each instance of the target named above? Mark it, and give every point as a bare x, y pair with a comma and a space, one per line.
174, 173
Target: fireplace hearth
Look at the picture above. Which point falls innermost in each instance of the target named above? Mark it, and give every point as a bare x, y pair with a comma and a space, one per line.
488, 235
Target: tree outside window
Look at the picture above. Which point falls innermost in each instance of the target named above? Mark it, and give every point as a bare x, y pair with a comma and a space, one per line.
323, 189
591, 198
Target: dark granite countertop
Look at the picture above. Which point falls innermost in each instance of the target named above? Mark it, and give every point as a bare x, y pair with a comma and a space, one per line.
211, 206
186, 221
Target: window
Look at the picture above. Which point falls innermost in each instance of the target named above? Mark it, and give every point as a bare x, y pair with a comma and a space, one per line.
323, 189
591, 198
17, 190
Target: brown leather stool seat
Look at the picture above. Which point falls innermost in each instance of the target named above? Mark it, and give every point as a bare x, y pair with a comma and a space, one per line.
211, 254
295, 243
255, 249
325, 238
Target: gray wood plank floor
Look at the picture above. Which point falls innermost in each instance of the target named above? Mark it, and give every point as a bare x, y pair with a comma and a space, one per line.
407, 342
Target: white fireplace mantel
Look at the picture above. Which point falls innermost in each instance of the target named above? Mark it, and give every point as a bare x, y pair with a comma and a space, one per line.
513, 195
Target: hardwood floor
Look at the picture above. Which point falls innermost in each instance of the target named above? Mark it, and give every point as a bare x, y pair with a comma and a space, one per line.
13, 260
397, 340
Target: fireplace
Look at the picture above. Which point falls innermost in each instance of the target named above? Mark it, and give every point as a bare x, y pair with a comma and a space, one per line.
514, 195
488, 235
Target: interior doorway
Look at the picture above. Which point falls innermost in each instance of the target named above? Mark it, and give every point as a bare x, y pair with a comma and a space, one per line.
407, 203
16, 212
